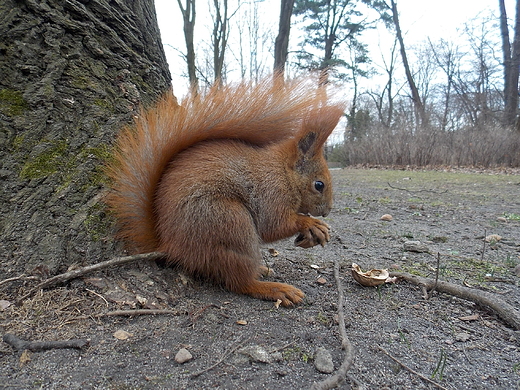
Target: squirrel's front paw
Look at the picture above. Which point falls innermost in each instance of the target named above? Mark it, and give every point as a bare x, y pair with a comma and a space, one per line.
315, 234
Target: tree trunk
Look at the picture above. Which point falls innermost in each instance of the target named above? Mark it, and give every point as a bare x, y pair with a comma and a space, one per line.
281, 44
73, 73
417, 102
220, 36
188, 16
511, 65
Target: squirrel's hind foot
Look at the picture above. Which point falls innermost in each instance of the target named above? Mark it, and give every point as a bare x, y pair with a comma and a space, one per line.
273, 291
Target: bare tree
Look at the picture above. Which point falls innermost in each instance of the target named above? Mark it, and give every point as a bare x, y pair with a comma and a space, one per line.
385, 106
281, 43
220, 37
188, 16
420, 112
447, 57
511, 64
254, 50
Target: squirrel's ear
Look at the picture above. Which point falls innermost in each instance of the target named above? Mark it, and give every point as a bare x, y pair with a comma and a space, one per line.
306, 143
307, 148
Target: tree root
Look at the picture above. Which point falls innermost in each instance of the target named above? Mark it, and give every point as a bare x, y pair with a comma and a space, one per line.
509, 314
21, 345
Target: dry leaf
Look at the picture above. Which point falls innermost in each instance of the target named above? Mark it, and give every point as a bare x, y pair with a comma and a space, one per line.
386, 217
273, 252
277, 303
374, 277
321, 280
242, 322
122, 334
25, 358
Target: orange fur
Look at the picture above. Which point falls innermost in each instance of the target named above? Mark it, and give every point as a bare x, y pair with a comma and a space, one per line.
208, 181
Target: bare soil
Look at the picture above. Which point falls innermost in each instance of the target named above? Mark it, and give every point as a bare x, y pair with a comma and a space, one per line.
456, 343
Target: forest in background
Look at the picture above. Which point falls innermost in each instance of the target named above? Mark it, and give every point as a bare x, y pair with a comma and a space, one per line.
439, 102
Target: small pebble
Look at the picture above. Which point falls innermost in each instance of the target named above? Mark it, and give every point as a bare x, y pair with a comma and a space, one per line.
183, 356
517, 270
323, 361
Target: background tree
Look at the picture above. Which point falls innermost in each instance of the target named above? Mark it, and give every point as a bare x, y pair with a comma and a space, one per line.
72, 74
416, 98
332, 22
188, 16
384, 99
220, 37
511, 64
281, 44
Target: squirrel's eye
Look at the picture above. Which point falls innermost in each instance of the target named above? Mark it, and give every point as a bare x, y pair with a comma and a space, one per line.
319, 186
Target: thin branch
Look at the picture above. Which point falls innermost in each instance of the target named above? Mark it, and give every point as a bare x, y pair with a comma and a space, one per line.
424, 378
89, 269
509, 314
21, 277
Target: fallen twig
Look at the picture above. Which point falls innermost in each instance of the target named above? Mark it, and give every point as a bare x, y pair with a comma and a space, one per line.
504, 310
346, 345
21, 345
21, 277
138, 312
89, 269
410, 369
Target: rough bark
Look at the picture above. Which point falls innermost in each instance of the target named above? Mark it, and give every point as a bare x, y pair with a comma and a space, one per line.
73, 73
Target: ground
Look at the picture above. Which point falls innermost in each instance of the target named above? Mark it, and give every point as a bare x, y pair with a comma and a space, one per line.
254, 345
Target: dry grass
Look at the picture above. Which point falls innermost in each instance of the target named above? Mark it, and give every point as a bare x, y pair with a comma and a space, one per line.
471, 147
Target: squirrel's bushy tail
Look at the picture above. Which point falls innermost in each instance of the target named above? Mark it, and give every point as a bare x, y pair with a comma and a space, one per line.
264, 113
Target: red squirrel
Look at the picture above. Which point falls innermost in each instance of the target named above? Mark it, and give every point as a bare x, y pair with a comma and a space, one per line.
210, 180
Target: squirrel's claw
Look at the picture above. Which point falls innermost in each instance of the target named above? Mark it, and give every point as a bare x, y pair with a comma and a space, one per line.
317, 234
